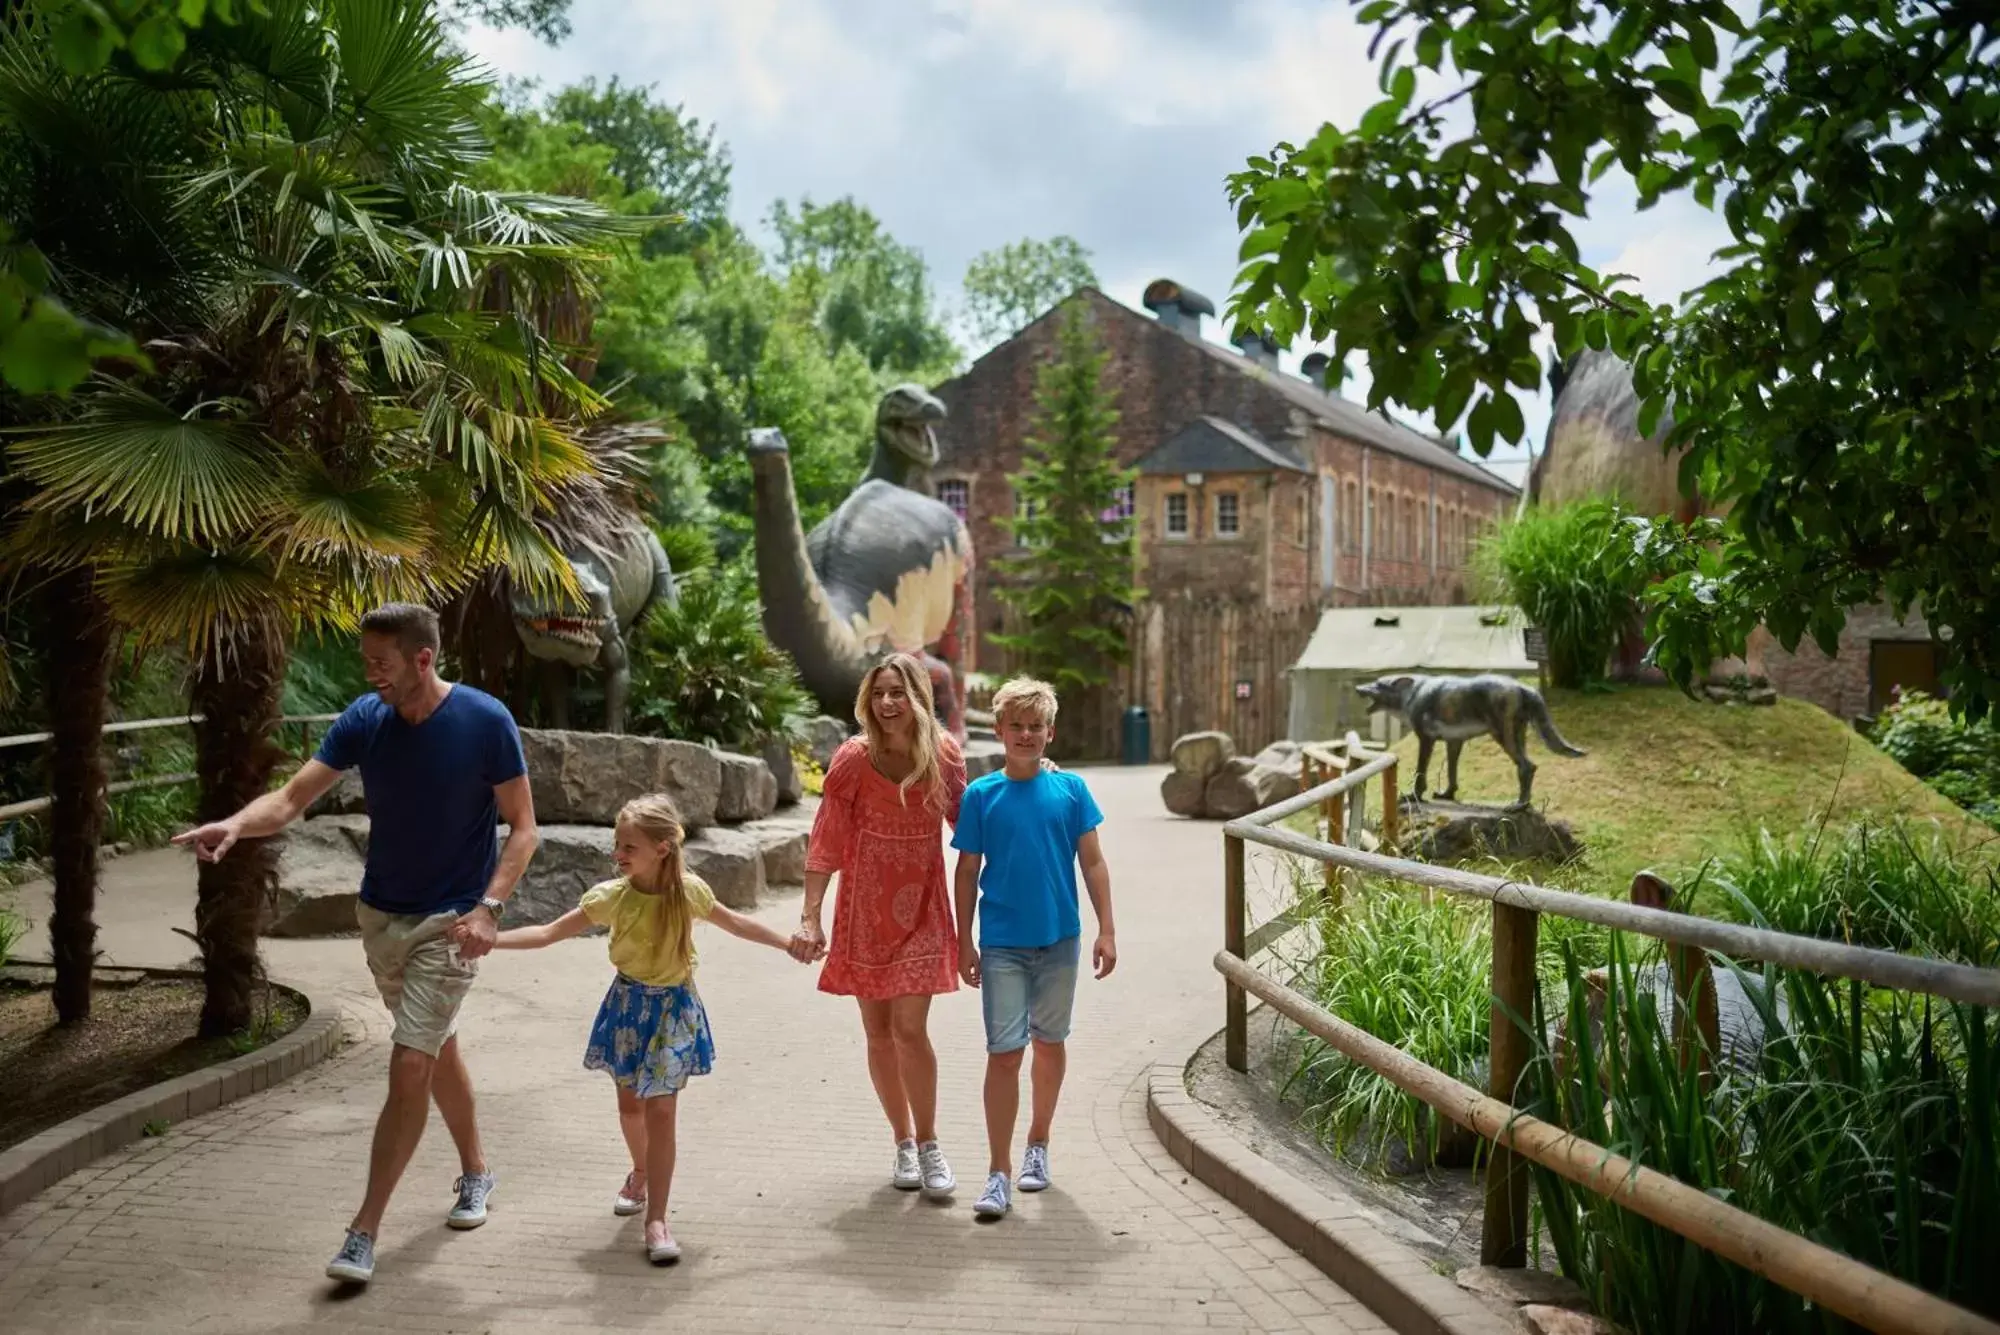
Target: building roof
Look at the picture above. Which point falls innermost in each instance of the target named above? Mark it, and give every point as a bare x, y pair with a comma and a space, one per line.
1214, 445
1416, 639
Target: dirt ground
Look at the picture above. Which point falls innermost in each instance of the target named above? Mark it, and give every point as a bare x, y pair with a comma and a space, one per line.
139, 1033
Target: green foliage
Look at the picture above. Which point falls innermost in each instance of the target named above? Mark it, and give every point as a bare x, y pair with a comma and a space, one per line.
1832, 384
1868, 1124
862, 287
1570, 572
1411, 971
1895, 886
1958, 757
1006, 289
1073, 580
12, 929
658, 152
324, 675
702, 670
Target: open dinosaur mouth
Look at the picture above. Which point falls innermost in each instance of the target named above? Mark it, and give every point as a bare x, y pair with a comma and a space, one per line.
577, 630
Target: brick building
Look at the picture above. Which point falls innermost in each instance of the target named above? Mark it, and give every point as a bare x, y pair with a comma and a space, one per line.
1253, 484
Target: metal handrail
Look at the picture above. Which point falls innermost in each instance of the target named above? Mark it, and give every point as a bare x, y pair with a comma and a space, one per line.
1839, 1283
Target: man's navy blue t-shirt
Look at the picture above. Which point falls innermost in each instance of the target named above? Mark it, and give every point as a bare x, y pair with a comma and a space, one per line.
429, 787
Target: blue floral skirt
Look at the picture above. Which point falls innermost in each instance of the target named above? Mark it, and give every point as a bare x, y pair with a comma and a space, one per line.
651, 1039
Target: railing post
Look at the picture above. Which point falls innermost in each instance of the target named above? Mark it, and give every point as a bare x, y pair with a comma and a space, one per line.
1236, 1017
1503, 1239
1389, 812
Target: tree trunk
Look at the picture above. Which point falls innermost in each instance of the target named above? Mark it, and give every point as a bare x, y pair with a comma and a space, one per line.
234, 756
81, 639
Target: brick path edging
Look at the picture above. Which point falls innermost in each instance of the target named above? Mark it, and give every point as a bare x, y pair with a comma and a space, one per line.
1393, 1281
47, 1157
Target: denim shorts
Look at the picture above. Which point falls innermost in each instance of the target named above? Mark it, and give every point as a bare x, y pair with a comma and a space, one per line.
1027, 991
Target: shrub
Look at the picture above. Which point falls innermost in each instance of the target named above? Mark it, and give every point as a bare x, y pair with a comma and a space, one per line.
12, 929
1959, 759
702, 670
1570, 572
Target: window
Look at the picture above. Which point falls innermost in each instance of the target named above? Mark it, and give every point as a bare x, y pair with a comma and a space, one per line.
1351, 530
1413, 533
1176, 519
1025, 510
956, 493
1121, 508
1374, 521
1228, 515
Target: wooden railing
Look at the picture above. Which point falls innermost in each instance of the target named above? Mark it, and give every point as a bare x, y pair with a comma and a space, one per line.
28, 807
1836, 1282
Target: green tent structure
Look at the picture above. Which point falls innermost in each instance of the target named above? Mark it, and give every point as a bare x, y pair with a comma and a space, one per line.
1353, 645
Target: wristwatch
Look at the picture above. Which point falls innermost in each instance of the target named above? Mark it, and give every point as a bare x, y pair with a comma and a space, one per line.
496, 907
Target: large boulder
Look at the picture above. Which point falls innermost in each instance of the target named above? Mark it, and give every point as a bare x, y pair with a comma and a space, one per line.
1183, 793
1455, 832
824, 736
1241, 785
1202, 753
1281, 754
731, 860
747, 791
343, 799
569, 860
777, 754
583, 778
318, 879
783, 841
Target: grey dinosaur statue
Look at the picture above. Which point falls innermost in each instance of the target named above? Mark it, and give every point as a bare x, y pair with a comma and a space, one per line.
622, 579
886, 572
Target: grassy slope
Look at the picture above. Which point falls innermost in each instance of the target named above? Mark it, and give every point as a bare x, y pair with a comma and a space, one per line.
1670, 781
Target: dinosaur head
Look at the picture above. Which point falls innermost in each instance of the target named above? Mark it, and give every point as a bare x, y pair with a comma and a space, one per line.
903, 424
1387, 693
562, 629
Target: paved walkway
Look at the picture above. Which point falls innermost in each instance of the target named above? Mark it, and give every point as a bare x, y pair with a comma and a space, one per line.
781, 1197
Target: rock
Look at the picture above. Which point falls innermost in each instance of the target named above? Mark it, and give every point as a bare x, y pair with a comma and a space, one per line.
1455, 832
343, 799
747, 789
1241, 786
1280, 754
318, 880
583, 778
569, 860
1545, 1320
983, 758
1202, 753
1183, 793
777, 755
731, 860
783, 844
1522, 1286
1739, 1023
824, 736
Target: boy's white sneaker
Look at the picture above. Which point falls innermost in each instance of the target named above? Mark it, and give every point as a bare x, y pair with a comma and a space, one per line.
995, 1200
938, 1181
1035, 1168
909, 1176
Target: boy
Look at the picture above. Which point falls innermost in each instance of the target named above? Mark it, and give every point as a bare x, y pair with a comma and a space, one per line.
1021, 832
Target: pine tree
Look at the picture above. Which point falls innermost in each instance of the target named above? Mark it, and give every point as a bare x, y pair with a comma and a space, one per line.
1073, 584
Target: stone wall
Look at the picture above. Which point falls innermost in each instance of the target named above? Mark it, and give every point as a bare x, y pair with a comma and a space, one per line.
1841, 684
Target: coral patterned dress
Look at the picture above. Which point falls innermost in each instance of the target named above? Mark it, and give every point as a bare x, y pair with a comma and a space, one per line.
893, 930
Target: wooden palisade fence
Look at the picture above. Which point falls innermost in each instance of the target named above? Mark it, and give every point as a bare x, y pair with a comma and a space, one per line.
1838, 1283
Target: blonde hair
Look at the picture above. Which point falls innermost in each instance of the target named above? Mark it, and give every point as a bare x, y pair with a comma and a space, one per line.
926, 737
1035, 698
655, 816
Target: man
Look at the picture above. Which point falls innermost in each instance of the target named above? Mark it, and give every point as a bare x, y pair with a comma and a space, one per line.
441, 765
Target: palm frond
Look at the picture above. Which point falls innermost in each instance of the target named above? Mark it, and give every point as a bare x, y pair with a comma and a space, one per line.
132, 457
497, 534
327, 518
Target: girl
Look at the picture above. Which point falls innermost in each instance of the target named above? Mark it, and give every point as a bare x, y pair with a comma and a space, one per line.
651, 1032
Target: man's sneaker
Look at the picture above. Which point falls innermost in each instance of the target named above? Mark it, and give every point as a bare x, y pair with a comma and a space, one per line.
355, 1262
909, 1174
1035, 1168
631, 1196
995, 1200
938, 1181
472, 1189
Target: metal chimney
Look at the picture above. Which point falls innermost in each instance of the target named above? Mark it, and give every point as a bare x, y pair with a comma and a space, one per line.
1177, 307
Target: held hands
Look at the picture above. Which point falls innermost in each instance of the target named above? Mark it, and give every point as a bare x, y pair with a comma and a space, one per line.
1104, 954
474, 933
210, 841
808, 943
968, 963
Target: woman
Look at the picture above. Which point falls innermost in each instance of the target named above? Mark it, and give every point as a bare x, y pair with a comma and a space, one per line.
895, 944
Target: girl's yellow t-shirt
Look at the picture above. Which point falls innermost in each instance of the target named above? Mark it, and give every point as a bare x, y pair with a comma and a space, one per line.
641, 946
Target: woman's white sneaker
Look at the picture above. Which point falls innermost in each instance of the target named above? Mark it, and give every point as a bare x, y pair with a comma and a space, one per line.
995, 1200
938, 1181
909, 1174
1034, 1168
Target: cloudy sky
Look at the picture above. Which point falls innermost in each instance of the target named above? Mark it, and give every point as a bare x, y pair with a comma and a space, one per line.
966, 124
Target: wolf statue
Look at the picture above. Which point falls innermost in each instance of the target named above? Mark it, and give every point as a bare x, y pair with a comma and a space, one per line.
1457, 709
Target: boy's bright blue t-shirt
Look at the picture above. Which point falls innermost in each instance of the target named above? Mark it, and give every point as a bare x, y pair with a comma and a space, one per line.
429, 788
1026, 830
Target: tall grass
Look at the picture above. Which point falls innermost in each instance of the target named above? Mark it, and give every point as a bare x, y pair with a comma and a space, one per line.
1568, 570
1868, 1124
12, 929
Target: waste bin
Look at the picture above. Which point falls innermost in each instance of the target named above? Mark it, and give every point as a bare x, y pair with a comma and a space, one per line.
1138, 736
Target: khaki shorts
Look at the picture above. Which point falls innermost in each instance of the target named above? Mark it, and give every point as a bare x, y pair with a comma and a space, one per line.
421, 977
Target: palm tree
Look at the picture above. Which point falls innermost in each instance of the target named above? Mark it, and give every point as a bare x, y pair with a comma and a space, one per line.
351, 396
